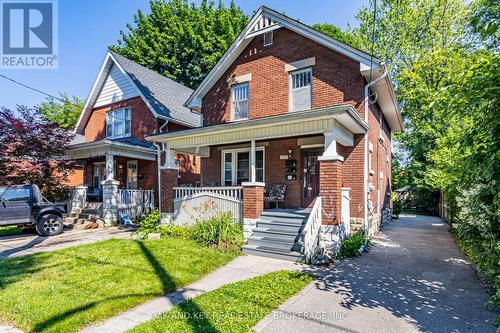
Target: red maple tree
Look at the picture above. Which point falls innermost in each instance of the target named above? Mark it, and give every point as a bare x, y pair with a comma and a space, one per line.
32, 150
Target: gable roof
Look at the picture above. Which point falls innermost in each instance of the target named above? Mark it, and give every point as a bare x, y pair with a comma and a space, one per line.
163, 96
265, 20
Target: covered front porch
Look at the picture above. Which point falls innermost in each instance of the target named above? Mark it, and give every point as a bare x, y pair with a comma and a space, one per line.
120, 176
292, 161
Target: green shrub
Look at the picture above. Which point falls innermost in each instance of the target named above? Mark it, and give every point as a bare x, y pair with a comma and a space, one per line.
352, 243
397, 206
148, 224
174, 231
220, 231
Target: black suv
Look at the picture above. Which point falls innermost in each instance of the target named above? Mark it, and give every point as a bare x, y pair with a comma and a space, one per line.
24, 205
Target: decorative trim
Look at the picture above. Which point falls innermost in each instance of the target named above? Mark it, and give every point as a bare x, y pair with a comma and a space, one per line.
293, 66
255, 184
331, 158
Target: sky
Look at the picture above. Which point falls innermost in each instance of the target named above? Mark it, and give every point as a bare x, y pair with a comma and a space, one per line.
87, 28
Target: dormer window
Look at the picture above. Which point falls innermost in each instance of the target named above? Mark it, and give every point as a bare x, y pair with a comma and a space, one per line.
300, 89
118, 123
239, 101
268, 38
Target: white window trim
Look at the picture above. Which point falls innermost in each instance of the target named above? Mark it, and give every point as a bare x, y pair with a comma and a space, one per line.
232, 105
264, 38
290, 74
124, 135
233, 153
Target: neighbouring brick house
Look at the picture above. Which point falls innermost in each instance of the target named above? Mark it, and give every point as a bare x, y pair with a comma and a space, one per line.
127, 103
289, 106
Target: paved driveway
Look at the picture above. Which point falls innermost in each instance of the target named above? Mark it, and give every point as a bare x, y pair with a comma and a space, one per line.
414, 280
26, 243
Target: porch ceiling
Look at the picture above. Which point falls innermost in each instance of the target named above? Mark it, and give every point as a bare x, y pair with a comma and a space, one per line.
341, 119
105, 147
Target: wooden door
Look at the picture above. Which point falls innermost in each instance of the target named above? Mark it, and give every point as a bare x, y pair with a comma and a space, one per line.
310, 176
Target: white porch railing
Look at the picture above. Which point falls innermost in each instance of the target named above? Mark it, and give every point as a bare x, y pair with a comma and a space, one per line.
193, 204
135, 203
235, 192
311, 230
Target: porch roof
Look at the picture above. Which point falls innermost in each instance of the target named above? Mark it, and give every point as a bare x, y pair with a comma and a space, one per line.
126, 147
341, 119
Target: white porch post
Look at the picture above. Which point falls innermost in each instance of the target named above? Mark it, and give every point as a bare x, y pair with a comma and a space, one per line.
110, 170
252, 162
330, 153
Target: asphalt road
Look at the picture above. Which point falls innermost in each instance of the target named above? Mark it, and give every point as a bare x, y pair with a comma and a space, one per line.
414, 280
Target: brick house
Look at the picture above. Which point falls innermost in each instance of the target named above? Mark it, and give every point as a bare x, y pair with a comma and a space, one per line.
127, 103
289, 106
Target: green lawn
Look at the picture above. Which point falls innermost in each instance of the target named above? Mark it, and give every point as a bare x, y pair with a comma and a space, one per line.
63, 291
232, 308
10, 230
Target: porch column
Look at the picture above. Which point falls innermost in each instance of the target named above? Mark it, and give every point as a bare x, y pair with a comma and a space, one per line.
252, 161
330, 180
253, 206
253, 200
169, 178
331, 231
110, 170
110, 201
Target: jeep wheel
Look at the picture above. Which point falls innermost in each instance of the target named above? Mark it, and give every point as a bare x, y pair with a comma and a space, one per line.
49, 225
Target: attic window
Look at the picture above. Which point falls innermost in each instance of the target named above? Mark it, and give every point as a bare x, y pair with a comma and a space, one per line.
268, 38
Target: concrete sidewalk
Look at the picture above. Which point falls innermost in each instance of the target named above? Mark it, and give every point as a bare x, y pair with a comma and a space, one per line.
415, 279
241, 268
23, 244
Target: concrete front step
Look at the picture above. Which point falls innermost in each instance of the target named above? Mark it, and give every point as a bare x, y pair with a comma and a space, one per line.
283, 220
279, 226
92, 211
272, 243
285, 214
88, 216
271, 253
274, 233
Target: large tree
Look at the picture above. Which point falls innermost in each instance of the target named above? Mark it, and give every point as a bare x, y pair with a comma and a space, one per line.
180, 40
64, 112
31, 150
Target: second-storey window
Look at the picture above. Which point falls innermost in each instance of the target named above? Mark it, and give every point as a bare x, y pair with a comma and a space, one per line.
118, 123
239, 101
300, 89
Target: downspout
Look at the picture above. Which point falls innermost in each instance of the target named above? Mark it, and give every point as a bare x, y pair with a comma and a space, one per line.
158, 164
365, 163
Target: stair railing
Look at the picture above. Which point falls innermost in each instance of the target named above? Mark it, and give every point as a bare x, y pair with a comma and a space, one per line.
311, 230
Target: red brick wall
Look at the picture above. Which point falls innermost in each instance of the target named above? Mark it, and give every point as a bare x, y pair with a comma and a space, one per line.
168, 181
74, 176
253, 201
352, 173
143, 122
336, 78
379, 163
330, 183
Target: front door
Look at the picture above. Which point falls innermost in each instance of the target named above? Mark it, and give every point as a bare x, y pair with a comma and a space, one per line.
310, 176
99, 174
132, 175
